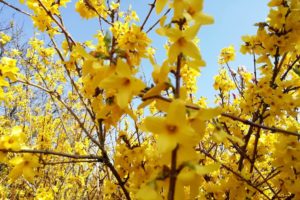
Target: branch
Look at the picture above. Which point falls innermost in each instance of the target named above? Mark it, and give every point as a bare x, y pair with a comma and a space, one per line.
254, 66
70, 162
46, 152
173, 174
148, 15
58, 97
58, 24
158, 21
272, 129
71, 79
233, 76
289, 68
90, 6
234, 172
15, 8
194, 107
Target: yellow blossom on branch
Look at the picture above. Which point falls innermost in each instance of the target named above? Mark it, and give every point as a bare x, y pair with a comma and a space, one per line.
125, 84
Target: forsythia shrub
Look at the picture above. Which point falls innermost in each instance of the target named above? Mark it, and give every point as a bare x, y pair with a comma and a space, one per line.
77, 121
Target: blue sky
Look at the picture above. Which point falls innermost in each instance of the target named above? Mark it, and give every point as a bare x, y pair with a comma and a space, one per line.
233, 18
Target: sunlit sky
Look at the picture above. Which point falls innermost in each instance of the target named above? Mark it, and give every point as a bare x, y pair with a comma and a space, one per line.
233, 18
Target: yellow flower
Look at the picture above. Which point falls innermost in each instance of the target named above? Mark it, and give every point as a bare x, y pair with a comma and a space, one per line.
8, 68
114, 6
194, 11
160, 4
148, 193
277, 17
14, 140
124, 83
172, 129
91, 8
182, 41
227, 54
134, 42
4, 38
24, 166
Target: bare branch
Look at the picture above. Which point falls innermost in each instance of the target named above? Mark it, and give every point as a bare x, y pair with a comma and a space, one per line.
152, 6
15, 8
46, 152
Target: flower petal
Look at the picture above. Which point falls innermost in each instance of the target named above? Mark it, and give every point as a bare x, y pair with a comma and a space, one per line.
159, 6
176, 112
190, 49
123, 98
155, 124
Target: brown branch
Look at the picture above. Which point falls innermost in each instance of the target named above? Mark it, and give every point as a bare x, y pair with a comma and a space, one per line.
121, 183
15, 8
105, 157
55, 20
254, 67
290, 68
242, 153
46, 152
71, 80
233, 76
58, 97
255, 151
152, 27
90, 6
70, 162
173, 174
148, 15
276, 69
272, 129
244, 121
173, 171
234, 172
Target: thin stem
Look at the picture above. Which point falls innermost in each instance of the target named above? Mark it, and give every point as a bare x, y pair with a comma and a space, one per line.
255, 67
272, 129
194, 107
152, 6
173, 174
235, 173
289, 68
88, 3
233, 76
70, 162
46, 152
57, 23
15, 8
157, 22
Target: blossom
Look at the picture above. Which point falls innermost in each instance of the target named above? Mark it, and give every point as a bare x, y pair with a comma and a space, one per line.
24, 166
124, 83
182, 41
172, 129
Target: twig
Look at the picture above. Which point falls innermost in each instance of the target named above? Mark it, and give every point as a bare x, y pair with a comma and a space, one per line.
152, 27
255, 67
148, 15
90, 6
173, 174
289, 68
70, 162
46, 152
58, 24
194, 107
57, 96
233, 76
234, 172
272, 129
15, 8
